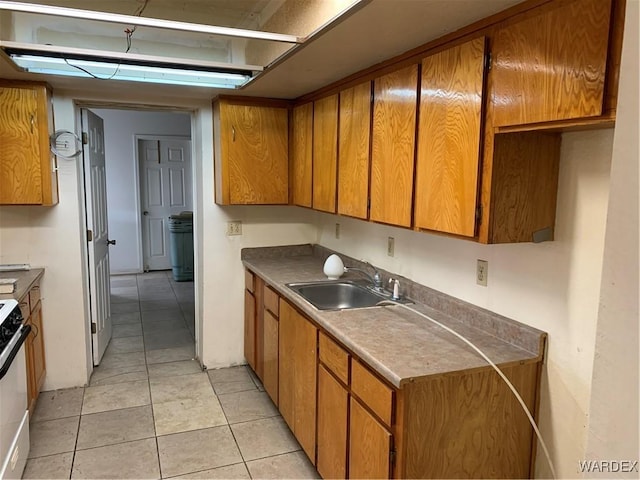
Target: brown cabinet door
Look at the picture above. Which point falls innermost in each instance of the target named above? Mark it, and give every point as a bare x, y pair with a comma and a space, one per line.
552, 65
447, 164
39, 367
297, 376
27, 176
301, 155
393, 140
332, 426
353, 151
270, 352
250, 329
325, 153
255, 161
369, 445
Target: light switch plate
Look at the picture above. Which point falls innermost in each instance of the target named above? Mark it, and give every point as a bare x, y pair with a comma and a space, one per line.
391, 246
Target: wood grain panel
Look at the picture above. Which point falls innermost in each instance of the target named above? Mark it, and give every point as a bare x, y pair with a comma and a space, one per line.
353, 151
524, 185
259, 328
552, 66
270, 356
250, 329
20, 160
373, 393
325, 153
369, 445
332, 426
254, 143
248, 280
446, 186
302, 155
271, 300
286, 365
479, 431
39, 364
334, 357
393, 142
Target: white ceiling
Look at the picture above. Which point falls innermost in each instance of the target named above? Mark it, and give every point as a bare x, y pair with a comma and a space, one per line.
377, 31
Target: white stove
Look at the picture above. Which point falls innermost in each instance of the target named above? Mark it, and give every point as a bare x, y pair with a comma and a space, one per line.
14, 417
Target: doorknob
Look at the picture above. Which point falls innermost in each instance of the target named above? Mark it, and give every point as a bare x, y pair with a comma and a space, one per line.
111, 242
145, 212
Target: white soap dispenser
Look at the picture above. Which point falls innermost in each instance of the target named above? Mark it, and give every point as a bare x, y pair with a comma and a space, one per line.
333, 267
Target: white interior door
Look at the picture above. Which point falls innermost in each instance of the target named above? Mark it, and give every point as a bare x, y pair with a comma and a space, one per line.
98, 238
165, 173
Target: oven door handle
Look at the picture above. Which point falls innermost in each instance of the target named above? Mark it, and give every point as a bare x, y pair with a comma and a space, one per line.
14, 351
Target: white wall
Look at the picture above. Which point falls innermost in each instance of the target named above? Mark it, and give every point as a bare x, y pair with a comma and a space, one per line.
123, 186
50, 237
553, 286
613, 422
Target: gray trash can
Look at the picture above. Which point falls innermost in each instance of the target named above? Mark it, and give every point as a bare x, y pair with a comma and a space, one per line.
181, 232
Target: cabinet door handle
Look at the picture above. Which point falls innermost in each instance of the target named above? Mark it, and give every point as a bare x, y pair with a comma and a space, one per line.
33, 121
233, 134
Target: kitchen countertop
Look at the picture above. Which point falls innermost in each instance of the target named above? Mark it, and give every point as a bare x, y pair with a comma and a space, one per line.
26, 279
398, 344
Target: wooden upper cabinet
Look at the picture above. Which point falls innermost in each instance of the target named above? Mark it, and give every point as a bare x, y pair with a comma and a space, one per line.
393, 142
353, 151
449, 133
251, 153
551, 65
325, 153
302, 155
27, 167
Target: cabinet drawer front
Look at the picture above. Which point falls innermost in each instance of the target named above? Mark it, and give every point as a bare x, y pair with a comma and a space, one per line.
249, 281
24, 308
375, 394
34, 297
335, 358
271, 301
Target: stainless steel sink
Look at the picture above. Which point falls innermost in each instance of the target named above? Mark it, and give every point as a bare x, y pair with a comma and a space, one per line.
336, 295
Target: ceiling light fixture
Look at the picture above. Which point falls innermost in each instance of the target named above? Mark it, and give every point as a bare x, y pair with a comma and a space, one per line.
148, 22
76, 62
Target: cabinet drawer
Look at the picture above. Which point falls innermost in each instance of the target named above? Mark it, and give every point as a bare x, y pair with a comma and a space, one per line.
24, 308
249, 281
373, 393
34, 296
335, 358
271, 300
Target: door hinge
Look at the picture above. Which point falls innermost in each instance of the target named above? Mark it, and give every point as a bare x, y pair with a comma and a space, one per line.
489, 60
94, 328
479, 214
89, 236
392, 456
85, 138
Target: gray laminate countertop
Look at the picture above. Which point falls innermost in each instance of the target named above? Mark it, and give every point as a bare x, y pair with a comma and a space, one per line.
26, 279
398, 344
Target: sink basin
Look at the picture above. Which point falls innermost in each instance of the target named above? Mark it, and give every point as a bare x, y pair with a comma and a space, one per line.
336, 295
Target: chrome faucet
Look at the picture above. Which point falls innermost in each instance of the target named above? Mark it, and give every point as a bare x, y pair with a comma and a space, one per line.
375, 279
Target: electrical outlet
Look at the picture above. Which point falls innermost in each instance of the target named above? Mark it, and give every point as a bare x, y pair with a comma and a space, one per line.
234, 228
482, 272
337, 230
391, 246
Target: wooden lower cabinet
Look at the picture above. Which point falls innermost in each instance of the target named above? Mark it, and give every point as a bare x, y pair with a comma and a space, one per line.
250, 329
34, 347
369, 444
270, 355
333, 404
298, 355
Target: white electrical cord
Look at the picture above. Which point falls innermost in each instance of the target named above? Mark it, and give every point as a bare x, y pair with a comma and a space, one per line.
498, 371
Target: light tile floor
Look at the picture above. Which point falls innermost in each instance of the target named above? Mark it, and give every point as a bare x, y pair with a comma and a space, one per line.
150, 412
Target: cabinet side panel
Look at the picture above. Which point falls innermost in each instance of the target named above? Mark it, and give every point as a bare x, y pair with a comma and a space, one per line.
393, 146
471, 425
301, 155
552, 66
449, 139
48, 166
20, 163
286, 362
353, 151
250, 329
219, 164
325, 153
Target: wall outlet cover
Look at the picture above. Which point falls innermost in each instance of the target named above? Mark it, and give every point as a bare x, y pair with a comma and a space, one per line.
482, 272
234, 228
391, 246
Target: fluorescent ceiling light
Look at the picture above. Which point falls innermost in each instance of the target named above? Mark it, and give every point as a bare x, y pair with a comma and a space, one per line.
147, 22
75, 62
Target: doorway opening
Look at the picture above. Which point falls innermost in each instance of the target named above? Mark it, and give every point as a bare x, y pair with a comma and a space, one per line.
139, 205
